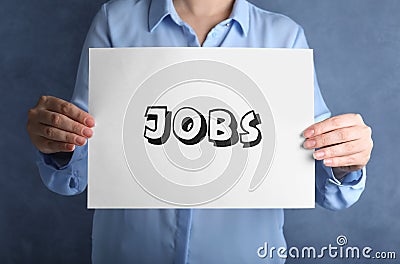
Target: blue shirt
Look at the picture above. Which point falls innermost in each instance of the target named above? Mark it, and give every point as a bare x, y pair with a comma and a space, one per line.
187, 235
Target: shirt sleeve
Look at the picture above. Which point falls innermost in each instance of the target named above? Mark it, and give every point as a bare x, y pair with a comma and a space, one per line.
62, 173
331, 193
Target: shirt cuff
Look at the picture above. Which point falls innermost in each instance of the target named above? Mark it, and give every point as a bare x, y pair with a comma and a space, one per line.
61, 160
352, 179
66, 177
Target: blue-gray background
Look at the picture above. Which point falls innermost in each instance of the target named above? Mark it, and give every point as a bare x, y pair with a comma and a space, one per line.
357, 57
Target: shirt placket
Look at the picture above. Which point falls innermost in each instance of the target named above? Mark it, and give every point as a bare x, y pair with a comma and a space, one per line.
217, 34
214, 38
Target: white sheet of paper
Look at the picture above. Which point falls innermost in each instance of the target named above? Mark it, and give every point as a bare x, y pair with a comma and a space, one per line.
200, 127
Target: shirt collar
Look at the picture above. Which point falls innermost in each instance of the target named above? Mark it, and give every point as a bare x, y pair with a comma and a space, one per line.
241, 14
159, 9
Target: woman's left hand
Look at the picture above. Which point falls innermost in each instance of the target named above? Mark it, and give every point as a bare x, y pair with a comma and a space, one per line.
343, 142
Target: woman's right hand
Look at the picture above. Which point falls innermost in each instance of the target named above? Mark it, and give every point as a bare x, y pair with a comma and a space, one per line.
55, 125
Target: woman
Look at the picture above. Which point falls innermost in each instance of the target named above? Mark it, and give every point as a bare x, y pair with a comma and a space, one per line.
60, 131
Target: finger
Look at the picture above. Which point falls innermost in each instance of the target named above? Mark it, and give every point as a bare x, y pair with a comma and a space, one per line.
336, 137
333, 123
357, 159
59, 135
68, 109
64, 123
50, 146
341, 150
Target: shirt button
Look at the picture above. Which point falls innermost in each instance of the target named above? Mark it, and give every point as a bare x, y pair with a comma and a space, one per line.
213, 34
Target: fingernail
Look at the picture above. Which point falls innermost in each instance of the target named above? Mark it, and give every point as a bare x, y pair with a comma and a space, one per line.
70, 147
328, 162
80, 141
308, 133
309, 144
319, 155
89, 122
87, 132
